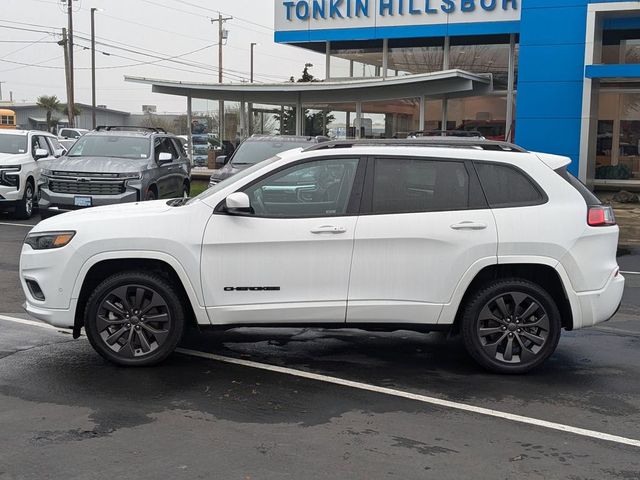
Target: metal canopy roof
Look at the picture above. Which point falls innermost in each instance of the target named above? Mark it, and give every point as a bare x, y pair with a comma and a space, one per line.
450, 83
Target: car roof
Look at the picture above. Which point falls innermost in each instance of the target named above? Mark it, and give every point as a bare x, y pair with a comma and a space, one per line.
124, 133
24, 132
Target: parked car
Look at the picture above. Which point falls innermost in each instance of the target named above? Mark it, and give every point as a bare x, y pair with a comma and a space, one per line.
257, 148
68, 136
22, 154
459, 235
116, 165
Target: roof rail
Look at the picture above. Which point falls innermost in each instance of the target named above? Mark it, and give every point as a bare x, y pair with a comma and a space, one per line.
446, 133
127, 128
444, 142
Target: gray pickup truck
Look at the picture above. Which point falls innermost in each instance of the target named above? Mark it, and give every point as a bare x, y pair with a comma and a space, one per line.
113, 165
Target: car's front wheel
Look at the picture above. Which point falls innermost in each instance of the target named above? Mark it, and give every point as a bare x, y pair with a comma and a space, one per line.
24, 209
134, 319
511, 326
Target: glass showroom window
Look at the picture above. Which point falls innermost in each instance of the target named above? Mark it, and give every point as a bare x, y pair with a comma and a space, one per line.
486, 115
621, 47
414, 56
485, 58
367, 62
618, 140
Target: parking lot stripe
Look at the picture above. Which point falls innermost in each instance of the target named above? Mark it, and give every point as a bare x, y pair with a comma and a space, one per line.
381, 390
17, 224
416, 397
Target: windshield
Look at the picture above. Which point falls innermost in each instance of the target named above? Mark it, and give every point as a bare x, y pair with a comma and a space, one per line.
250, 152
228, 181
111, 146
13, 144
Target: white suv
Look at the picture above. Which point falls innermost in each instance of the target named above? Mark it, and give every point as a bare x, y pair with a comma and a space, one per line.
22, 154
466, 235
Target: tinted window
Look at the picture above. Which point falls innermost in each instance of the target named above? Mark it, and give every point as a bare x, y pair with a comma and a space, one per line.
110, 146
506, 186
38, 142
165, 145
412, 185
314, 189
55, 144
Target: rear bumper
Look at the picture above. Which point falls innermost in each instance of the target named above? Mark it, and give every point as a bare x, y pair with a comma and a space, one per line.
599, 306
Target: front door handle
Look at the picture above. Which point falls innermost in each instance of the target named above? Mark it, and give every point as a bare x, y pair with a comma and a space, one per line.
329, 229
469, 226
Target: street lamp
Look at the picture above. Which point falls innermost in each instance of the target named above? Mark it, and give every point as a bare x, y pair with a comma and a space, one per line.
253, 45
93, 64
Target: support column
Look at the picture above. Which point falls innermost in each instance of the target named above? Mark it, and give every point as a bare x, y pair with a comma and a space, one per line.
348, 124
189, 129
510, 89
358, 123
422, 113
282, 132
445, 113
299, 117
243, 120
385, 58
446, 54
327, 62
350, 68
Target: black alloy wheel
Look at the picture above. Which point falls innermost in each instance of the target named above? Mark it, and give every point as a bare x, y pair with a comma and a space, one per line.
134, 319
511, 326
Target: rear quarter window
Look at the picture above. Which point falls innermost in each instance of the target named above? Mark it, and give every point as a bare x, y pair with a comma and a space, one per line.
590, 199
507, 186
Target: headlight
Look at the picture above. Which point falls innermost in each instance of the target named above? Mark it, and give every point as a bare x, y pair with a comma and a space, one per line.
48, 240
10, 176
46, 173
130, 176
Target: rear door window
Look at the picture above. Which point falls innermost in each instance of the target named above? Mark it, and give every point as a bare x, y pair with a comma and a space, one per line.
402, 185
507, 186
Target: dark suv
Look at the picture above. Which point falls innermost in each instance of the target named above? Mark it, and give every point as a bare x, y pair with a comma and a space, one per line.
257, 148
116, 165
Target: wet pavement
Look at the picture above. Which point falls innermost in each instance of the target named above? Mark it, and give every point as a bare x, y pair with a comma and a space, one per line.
66, 413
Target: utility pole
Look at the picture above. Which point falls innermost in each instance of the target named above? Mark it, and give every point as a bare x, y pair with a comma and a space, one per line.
93, 66
222, 35
71, 97
65, 45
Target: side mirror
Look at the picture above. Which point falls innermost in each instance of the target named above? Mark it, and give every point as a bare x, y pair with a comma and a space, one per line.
41, 153
59, 152
165, 158
222, 159
238, 202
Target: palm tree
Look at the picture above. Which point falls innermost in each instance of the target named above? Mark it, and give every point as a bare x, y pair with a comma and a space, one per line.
50, 104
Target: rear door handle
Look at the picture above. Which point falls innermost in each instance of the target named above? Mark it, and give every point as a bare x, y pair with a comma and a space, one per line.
469, 226
329, 229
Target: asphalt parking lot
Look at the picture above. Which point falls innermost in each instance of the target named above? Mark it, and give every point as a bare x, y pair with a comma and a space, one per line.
307, 404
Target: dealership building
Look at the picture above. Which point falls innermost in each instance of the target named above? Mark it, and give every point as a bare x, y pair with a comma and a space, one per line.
559, 76
565, 73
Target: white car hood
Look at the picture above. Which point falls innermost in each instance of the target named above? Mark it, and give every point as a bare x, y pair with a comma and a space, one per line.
127, 212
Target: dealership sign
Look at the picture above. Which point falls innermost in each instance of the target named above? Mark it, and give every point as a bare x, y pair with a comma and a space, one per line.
293, 15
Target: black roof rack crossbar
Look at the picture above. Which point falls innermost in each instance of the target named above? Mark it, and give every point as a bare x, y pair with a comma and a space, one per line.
128, 128
444, 142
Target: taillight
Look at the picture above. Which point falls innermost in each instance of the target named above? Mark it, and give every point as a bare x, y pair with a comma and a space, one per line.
601, 216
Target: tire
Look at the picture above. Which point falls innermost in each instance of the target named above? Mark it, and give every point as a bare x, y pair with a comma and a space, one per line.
24, 208
511, 326
150, 195
134, 319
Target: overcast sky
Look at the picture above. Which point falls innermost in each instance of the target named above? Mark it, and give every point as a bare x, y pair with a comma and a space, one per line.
163, 28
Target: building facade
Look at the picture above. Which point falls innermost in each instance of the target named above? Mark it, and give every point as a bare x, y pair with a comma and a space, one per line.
565, 73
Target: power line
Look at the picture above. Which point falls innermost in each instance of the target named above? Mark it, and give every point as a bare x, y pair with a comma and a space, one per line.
24, 48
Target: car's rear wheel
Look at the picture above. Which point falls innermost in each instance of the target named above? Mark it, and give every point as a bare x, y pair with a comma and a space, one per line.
24, 208
134, 319
511, 326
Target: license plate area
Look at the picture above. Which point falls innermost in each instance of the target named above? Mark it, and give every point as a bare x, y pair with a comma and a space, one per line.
82, 201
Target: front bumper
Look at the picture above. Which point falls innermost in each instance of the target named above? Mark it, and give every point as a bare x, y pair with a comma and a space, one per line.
57, 318
9, 194
54, 202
